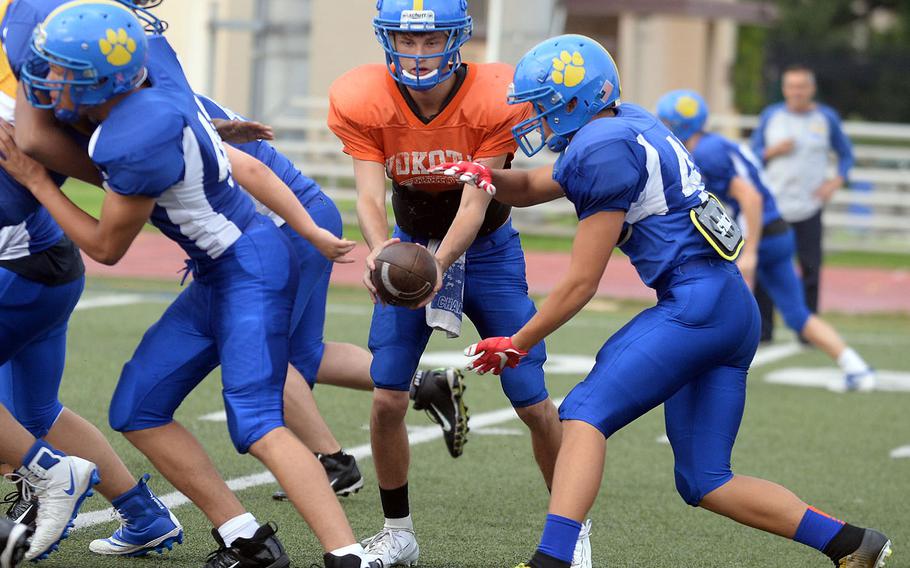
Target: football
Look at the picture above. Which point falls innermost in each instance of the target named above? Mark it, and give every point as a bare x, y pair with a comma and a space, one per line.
405, 274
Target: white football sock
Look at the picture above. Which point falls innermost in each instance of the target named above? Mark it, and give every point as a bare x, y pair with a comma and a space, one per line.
244, 526
851, 363
405, 523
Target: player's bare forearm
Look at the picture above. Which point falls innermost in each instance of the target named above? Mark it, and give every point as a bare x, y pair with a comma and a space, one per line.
265, 186
105, 240
751, 204
524, 188
271, 191
464, 227
43, 138
588, 262
468, 220
371, 210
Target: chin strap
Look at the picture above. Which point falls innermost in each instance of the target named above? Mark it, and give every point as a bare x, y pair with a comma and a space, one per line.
557, 142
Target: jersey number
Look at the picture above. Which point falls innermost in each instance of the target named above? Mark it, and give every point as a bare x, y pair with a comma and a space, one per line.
224, 164
689, 176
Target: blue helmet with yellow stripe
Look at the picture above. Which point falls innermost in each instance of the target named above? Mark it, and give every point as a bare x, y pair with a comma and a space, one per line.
423, 16
95, 49
568, 79
684, 112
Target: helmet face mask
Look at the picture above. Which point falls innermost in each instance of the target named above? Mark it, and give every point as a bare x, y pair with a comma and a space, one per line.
153, 24
569, 79
83, 55
398, 17
531, 134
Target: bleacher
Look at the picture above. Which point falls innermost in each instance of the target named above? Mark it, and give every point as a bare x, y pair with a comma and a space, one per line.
872, 214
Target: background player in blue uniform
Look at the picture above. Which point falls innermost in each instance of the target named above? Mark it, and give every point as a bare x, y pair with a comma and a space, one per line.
41, 278
734, 174
632, 182
312, 359
242, 294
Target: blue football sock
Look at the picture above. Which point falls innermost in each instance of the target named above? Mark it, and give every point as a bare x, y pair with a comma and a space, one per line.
46, 462
817, 529
559, 537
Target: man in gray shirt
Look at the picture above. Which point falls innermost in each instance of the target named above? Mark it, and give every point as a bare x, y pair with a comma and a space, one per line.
796, 138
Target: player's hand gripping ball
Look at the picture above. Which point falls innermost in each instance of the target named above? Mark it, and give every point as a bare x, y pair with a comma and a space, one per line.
405, 274
495, 354
472, 173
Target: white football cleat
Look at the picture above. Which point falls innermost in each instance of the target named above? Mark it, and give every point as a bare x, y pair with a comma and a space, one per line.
582, 556
393, 546
865, 381
61, 484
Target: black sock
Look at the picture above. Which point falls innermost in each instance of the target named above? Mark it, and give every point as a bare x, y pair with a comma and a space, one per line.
541, 560
395, 502
845, 542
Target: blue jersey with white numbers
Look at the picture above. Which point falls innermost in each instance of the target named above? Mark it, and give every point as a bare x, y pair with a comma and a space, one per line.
632, 163
720, 160
160, 143
302, 186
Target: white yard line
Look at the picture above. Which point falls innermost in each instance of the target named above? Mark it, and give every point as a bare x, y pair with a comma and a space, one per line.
902, 452
421, 436
774, 353
415, 437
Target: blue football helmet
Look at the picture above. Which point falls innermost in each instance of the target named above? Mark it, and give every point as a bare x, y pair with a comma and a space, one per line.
568, 79
423, 16
684, 112
153, 24
101, 47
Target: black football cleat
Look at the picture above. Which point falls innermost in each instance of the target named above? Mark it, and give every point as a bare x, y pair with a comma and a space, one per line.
347, 561
14, 543
263, 550
21, 509
342, 471
873, 552
440, 393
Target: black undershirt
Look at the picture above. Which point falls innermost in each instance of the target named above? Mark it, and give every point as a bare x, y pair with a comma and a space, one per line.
60, 264
429, 215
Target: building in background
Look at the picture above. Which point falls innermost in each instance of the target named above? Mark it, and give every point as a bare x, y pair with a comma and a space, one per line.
259, 55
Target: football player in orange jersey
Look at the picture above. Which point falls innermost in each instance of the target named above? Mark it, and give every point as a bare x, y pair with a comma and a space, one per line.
399, 120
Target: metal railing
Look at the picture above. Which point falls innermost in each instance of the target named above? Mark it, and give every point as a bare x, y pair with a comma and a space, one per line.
873, 214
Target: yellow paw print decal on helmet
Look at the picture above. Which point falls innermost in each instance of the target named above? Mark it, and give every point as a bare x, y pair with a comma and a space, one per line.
687, 107
568, 69
118, 47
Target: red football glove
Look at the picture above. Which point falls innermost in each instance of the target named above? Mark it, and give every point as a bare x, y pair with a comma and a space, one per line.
468, 172
496, 353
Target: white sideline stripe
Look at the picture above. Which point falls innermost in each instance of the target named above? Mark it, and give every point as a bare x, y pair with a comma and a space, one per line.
110, 300
421, 436
901, 452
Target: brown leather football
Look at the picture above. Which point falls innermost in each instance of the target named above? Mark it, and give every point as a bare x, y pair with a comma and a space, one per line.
405, 274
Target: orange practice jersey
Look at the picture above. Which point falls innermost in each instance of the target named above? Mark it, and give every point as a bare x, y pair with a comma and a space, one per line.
371, 117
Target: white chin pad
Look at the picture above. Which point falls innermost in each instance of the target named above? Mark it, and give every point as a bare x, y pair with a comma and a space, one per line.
429, 75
